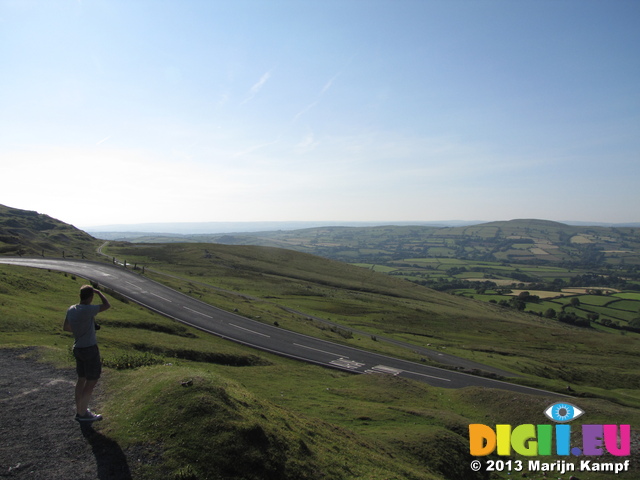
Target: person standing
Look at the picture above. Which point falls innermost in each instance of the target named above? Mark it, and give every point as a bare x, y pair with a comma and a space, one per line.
80, 320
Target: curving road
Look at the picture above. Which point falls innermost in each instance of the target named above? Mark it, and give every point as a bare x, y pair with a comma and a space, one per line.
191, 311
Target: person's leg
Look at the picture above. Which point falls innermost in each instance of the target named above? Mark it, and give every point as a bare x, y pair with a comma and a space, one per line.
89, 368
79, 391
84, 390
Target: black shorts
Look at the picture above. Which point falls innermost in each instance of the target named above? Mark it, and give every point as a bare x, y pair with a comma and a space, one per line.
88, 362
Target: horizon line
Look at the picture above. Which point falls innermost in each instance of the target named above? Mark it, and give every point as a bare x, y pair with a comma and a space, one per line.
329, 223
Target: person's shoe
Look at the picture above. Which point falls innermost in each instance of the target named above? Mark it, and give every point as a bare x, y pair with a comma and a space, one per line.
88, 417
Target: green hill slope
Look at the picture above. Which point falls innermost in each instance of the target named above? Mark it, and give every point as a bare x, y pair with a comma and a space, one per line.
24, 232
261, 416
285, 419
271, 285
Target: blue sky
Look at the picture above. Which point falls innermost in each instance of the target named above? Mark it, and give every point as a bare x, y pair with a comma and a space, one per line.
351, 110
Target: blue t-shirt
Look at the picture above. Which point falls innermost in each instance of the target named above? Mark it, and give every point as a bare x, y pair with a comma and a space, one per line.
82, 321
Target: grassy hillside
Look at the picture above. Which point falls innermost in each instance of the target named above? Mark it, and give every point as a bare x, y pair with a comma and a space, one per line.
493, 262
281, 419
349, 304
271, 285
251, 415
23, 232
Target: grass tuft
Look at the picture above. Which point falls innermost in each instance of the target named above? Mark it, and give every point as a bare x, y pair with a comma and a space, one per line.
132, 360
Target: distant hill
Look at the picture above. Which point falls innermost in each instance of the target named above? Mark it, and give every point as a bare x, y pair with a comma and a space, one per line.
186, 229
527, 222
24, 232
520, 240
125, 231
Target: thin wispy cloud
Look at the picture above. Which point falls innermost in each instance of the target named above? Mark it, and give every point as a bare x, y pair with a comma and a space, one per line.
304, 110
257, 87
328, 85
253, 148
325, 88
103, 140
224, 98
307, 144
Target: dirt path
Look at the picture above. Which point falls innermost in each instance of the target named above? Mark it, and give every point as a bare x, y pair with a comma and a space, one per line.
39, 438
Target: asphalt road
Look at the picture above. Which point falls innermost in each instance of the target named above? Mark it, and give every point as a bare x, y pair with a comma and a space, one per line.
191, 311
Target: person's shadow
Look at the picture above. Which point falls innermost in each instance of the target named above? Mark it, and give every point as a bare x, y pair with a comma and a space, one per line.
110, 459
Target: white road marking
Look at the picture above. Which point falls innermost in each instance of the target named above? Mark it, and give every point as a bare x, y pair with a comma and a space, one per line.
350, 364
97, 270
317, 350
199, 313
165, 299
387, 370
133, 285
425, 375
252, 331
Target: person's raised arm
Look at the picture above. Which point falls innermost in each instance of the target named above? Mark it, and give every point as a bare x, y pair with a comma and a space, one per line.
105, 303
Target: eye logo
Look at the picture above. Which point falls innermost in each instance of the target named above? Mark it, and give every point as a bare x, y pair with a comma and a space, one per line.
563, 412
